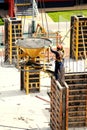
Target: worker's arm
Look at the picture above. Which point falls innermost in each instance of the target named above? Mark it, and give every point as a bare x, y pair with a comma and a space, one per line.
55, 52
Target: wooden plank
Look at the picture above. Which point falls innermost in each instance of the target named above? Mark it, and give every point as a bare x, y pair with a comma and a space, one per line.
80, 79
76, 117
83, 106
76, 96
74, 122
81, 90
76, 85
77, 101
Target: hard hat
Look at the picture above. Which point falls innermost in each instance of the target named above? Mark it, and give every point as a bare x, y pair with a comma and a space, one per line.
59, 47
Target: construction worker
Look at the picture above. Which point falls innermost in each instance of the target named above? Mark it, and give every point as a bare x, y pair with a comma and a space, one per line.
59, 67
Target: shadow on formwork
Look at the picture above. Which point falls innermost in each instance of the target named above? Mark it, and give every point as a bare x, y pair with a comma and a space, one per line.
69, 102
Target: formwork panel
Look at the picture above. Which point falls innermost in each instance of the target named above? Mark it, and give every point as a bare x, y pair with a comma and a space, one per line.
13, 31
78, 37
69, 111
30, 79
77, 99
57, 104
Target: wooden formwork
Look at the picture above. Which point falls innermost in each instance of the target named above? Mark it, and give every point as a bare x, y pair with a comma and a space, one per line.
69, 102
13, 31
78, 37
30, 79
58, 106
77, 99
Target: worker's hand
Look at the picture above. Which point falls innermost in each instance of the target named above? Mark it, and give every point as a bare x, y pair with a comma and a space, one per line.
50, 46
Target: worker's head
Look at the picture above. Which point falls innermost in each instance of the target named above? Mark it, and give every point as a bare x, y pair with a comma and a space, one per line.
59, 47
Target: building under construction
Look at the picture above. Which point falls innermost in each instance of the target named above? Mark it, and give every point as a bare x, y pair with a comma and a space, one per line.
31, 56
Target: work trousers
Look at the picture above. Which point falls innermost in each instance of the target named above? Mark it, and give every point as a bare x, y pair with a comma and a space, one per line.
59, 71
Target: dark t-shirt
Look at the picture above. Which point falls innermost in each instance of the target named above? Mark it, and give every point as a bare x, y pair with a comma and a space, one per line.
58, 54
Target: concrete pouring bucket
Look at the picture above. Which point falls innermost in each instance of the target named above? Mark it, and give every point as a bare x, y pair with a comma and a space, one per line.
33, 46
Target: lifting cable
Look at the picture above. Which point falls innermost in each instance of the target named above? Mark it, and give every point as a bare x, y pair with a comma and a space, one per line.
41, 14
15, 8
42, 5
46, 18
20, 9
24, 16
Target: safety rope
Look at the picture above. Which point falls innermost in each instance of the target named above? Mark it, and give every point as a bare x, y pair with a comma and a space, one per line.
66, 34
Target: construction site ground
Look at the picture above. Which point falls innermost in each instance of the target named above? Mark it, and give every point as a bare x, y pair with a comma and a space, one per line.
19, 111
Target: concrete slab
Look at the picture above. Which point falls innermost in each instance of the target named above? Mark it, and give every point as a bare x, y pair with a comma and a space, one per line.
21, 111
